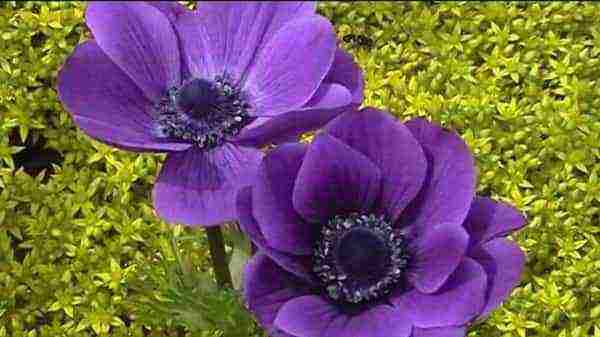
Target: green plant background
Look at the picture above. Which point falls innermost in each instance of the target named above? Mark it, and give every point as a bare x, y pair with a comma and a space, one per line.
518, 81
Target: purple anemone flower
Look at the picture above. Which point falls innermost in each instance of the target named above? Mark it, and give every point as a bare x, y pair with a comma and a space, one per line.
374, 230
209, 88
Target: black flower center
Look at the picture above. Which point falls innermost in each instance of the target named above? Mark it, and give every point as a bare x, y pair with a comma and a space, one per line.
359, 258
203, 112
363, 254
198, 97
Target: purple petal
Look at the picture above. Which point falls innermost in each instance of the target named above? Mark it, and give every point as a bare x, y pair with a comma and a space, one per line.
171, 9
290, 7
440, 332
380, 321
300, 266
292, 65
313, 316
449, 186
324, 106
347, 73
248, 224
391, 146
225, 37
140, 40
458, 302
489, 219
327, 97
437, 254
342, 86
334, 179
106, 104
503, 262
198, 188
267, 288
307, 316
283, 228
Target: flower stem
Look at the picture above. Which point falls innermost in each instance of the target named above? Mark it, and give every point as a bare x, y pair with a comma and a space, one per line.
218, 257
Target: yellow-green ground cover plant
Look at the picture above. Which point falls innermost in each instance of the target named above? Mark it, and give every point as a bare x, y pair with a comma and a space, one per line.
83, 254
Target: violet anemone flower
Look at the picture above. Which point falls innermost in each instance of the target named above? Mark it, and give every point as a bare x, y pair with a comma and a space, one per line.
210, 88
374, 230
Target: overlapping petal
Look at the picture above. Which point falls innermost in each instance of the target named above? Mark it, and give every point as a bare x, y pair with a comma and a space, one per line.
334, 179
489, 219
488, 222
106, 104
171, 9
199, 188
278, 12
301, 266
139, 39
346, 72
449, 187
392, 147
290, 68
322, 107
267, 288
458, 302
503, 262
226, 36
313, 316
282, 226
436, 255
343, 86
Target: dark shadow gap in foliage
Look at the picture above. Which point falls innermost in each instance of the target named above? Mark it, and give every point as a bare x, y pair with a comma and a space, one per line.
17, 254
35, 157
38, 39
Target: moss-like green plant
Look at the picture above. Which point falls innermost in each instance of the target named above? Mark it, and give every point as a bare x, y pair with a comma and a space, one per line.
518, 81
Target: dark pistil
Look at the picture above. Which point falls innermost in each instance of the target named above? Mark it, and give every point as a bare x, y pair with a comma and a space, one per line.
363, 254
198, 97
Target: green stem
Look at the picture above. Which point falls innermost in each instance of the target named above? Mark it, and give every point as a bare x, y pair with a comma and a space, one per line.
218, 257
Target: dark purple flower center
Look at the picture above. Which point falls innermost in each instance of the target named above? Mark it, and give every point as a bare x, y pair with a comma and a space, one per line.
205, 113
359, 258
198, 97
363, 254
